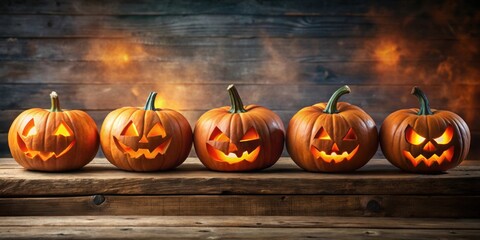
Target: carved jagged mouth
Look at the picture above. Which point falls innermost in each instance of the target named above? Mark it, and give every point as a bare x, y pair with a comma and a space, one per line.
445, 156
44, 155
232, 158
333, 157
161, 149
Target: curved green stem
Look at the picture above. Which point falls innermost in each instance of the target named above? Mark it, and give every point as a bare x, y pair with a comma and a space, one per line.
331, 107
55, 102
423, 100
150, 105
236, 101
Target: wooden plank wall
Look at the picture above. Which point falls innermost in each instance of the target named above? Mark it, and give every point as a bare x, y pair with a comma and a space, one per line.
281, 54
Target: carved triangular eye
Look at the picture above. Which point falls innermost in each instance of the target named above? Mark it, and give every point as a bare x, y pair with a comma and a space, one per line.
157, 130
218, 135
322, 135
446, 136
413, 137
350, 135
130, 130
63, 130
29, 129
250, 135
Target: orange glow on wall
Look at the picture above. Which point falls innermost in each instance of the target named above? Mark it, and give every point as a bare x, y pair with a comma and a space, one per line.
387, 53
161, 102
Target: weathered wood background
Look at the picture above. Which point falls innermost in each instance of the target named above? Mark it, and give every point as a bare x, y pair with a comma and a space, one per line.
285, 55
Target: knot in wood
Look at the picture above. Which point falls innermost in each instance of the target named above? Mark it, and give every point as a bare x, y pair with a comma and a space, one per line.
374, 206
98, 199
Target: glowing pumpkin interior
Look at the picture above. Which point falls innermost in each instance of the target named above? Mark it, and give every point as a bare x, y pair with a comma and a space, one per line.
430, 153
334, 154
233, 153
30, 132
146, 144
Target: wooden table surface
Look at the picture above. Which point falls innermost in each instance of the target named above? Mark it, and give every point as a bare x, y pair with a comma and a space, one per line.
282, 202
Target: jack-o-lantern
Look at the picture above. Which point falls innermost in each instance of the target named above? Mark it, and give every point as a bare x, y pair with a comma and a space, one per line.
53, 140
146, 139
239, 138
332, 137
424, 139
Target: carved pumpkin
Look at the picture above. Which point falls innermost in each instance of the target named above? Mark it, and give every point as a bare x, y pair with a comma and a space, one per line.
332, 137
53, 140
238, 138
424, 139
147, 139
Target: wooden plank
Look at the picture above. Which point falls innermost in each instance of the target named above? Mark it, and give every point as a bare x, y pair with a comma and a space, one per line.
242, 221
228, 233
186, 7
377, 177
48, 26
233, 50
207, 96
246, 205
218, 70
16, 227
405, 9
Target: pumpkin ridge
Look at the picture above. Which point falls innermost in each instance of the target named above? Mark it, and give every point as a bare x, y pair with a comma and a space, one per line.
461, 126
268, 140
245, 118
109, 133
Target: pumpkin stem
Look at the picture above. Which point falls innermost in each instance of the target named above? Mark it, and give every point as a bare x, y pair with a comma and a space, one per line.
236, 101
150, 105
422, 98
55, 102
331, 107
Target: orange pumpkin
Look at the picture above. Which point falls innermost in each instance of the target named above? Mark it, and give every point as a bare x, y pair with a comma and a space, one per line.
424, 139
332, 137
238, 138
53, 140
147, 139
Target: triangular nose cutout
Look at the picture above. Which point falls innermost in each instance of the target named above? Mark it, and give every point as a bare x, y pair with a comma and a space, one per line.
232, 147
335, 148
429, 147
143, 139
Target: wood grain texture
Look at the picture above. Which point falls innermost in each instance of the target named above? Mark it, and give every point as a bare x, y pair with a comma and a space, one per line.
242, 221
228, 233
284, 227
199, 70
186, 7
230, 50
247, 205
208, 96
46, 26
378, 177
